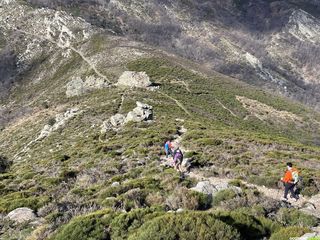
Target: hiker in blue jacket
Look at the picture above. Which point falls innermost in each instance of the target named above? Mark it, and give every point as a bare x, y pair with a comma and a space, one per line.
168, 149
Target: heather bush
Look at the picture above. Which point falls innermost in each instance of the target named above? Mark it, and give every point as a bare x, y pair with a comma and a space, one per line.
89, 227
289, 233
188, 225
294, 217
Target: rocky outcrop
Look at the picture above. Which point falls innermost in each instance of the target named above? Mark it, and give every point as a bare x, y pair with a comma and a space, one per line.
22, 215
60, 121
208, 188
78, 86
134, 79
143, 112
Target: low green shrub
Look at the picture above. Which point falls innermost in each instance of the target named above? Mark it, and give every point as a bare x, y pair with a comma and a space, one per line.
186, 199
209, 142
17, 200
294, 217
289, 233
5, 164
223, 195
127, 223
309, 191
250, 227
89, 227
314, 238
187, 225
51, 121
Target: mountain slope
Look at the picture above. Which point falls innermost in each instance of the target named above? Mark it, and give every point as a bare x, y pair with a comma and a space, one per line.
85, 180
224, 36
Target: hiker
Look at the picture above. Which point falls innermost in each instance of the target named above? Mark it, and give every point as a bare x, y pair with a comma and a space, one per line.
290, 179
177, 160
168, 148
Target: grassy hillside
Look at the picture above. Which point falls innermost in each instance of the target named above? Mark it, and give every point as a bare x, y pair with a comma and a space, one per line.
71, 172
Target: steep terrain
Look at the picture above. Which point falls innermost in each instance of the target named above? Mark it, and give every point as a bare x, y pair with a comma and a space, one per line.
82, 155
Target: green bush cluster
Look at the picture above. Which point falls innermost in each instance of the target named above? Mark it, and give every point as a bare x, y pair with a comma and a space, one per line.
154, 223
89, 227
294, 217
223, 195
249, 226
186, 226
289, 233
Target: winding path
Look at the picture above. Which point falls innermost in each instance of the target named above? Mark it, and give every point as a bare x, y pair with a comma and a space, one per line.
307, 205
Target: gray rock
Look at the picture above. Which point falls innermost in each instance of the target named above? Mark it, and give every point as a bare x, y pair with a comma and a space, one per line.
60, 121
237, 190
117, 120
78, 86
143, 112
205, 187
186, 163
22, 215
115, 184
75, 87
221, 186
309, 206
134, 79
106, 126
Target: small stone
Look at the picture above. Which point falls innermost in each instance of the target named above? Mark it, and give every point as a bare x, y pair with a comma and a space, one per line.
115, 184
180, 210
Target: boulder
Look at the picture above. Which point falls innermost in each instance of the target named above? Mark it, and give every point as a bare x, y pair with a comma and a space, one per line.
117, 120
22, 215
75, 87
143, 112
134, 79
205, 187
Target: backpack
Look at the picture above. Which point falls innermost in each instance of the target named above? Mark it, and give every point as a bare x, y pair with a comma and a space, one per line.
295, 176
178, 155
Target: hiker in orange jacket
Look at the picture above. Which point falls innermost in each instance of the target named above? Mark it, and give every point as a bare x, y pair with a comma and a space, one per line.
289, 180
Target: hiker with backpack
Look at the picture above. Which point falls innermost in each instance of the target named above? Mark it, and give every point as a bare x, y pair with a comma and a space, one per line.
290, 179
168, 149
177, 159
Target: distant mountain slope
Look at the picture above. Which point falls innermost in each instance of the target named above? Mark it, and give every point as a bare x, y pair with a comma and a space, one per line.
221, 34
